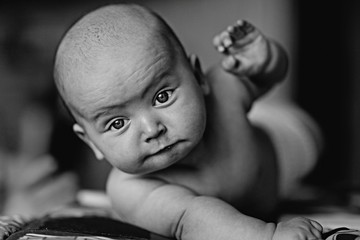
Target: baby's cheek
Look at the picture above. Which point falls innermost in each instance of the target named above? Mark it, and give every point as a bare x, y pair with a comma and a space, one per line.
121, 156
189, 113
196, 121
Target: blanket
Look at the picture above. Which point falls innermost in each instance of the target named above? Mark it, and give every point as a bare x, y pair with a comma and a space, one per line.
87, 223
71, 223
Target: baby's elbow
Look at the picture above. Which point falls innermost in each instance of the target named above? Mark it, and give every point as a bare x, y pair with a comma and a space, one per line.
191, 220
178, 228
185, 221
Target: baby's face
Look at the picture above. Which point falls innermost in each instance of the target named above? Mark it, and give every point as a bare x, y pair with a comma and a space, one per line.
145, 114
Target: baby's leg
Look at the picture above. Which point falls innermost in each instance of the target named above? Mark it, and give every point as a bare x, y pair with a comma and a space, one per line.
297, 140
246, 50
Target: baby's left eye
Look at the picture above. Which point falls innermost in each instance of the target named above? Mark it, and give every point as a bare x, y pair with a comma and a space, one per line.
163, 97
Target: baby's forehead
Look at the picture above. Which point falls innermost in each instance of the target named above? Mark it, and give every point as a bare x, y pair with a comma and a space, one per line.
91, 84
105, 34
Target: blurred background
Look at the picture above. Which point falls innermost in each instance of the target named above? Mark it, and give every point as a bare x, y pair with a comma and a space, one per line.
322, 38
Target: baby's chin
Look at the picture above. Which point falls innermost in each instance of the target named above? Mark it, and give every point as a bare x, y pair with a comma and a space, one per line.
151, 170
156, 164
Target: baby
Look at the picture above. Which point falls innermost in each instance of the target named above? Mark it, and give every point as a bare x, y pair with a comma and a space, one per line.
188, 162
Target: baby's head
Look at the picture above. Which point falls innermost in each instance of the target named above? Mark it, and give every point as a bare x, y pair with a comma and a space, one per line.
137, 100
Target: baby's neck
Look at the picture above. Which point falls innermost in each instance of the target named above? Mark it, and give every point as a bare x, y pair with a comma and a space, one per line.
194, 158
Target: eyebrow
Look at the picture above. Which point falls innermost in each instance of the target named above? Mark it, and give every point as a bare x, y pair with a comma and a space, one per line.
166, 66
155, 81
151, 84
104, 111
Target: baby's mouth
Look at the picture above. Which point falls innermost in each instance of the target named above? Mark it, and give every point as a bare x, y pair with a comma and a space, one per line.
165, 149
159, 152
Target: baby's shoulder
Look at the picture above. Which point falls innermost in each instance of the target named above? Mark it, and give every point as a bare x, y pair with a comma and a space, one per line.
128, 191
119, 179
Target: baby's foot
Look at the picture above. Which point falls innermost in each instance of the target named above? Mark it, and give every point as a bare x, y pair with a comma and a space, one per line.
246, 50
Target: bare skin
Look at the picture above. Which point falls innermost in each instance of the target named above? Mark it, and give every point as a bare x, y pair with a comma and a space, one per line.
187, 161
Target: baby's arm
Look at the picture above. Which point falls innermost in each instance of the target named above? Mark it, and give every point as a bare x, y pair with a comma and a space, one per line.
177, 212
248, 53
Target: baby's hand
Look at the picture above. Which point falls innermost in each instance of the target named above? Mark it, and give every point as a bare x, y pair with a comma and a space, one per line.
246, 50
298, 229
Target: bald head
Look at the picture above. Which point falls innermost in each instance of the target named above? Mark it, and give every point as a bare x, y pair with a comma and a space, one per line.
106, 33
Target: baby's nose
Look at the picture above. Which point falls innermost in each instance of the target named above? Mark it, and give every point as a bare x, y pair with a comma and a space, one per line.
152, 128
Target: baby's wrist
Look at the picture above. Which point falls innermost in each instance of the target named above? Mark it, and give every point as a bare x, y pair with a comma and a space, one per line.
273, 71
275, 67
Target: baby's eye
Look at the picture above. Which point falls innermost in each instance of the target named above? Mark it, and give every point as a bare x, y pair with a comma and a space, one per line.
117, 124
163, 97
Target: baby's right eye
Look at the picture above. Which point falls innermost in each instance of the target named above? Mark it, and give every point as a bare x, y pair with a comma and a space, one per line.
117, 124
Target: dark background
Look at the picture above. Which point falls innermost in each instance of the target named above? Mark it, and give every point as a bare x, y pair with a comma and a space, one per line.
323, 38
328, 86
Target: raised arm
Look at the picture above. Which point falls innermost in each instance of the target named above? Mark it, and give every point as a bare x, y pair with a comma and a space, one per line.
250, 54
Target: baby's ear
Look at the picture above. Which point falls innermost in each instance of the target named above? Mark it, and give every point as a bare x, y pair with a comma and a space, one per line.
200, 77
80, 132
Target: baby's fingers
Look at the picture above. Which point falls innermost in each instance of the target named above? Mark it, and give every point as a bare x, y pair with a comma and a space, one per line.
316, 225
235, 37
222, 42
316, 229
